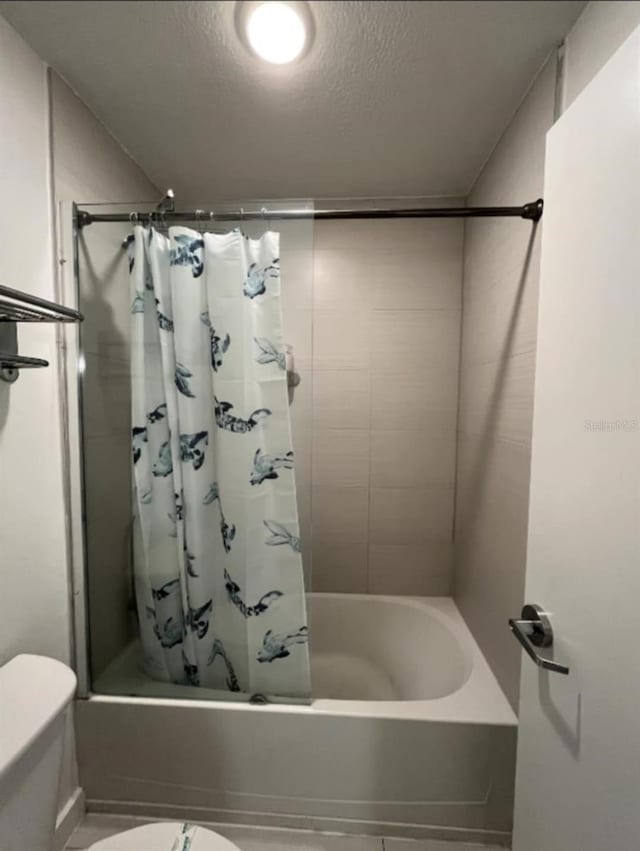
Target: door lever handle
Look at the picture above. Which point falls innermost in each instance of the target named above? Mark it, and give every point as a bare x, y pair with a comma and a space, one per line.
534, 630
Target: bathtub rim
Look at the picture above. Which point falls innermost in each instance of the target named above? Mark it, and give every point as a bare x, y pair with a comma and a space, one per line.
480, 700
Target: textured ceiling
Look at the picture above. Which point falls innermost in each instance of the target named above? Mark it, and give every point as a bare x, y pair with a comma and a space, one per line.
394, 98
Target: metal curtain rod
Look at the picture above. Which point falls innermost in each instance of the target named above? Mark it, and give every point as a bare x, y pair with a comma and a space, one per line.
531, 211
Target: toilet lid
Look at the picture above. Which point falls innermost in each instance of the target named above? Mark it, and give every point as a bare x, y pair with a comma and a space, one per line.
165, 836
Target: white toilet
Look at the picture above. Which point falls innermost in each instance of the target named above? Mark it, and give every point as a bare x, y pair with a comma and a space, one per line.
34, 693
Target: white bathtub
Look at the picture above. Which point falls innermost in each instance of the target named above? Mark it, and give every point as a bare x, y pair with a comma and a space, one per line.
400, 657
408, 734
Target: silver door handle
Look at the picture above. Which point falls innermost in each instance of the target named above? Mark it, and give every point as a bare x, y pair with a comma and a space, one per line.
534, 630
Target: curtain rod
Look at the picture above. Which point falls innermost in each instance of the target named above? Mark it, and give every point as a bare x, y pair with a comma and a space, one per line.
531, 211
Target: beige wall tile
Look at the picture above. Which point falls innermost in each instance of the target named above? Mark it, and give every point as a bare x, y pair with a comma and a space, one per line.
342, 280
104, 291
302, 459
295, 235
416, 399
500, 294
492, 507
503, 325
433, 237
107, 396
109, 510
387, 314
340, 568
340, 515
348, 234
296, 282
341, 399
382, 234
404, 340
420, 267
301, 402
414, 282
341, 339
401, 459
341, 457
298, 333
410, 515
420, 569
497, 398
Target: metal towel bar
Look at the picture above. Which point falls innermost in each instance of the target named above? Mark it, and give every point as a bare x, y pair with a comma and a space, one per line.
17, 306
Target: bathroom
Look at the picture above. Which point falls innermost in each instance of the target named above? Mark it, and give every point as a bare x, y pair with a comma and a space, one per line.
392, 247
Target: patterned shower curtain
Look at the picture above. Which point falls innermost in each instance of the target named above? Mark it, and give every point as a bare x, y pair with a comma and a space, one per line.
217, 563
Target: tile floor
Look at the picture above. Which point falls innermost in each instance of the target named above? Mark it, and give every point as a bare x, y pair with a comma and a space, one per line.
96, 827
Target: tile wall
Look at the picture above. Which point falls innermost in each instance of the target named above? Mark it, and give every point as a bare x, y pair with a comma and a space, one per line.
497, 370
376, 338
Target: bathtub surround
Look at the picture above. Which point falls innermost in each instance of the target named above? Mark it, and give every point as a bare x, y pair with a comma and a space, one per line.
386, 326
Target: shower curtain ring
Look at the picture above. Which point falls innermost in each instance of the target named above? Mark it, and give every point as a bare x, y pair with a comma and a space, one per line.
133, 218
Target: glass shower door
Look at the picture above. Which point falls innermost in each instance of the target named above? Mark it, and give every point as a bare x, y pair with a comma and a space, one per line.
106, 423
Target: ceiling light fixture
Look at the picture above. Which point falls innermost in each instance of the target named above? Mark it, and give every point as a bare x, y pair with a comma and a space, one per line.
276, 32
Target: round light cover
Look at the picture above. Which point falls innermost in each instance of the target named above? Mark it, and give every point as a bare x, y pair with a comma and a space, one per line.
276, 32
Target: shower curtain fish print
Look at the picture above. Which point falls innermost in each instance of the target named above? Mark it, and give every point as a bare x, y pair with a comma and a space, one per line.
217, 564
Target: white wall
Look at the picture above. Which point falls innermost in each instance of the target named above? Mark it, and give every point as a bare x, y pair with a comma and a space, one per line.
594, 37
34, 609
88, 163
34, 596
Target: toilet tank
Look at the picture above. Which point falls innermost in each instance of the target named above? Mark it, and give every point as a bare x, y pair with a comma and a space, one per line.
34, 692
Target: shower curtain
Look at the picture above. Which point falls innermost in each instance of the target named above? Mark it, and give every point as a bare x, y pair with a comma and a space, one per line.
217, 563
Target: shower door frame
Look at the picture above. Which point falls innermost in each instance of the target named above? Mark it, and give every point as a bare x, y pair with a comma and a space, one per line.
71, 385
71, 377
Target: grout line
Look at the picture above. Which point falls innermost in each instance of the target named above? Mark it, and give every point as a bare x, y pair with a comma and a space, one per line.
456, 457
370, 468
